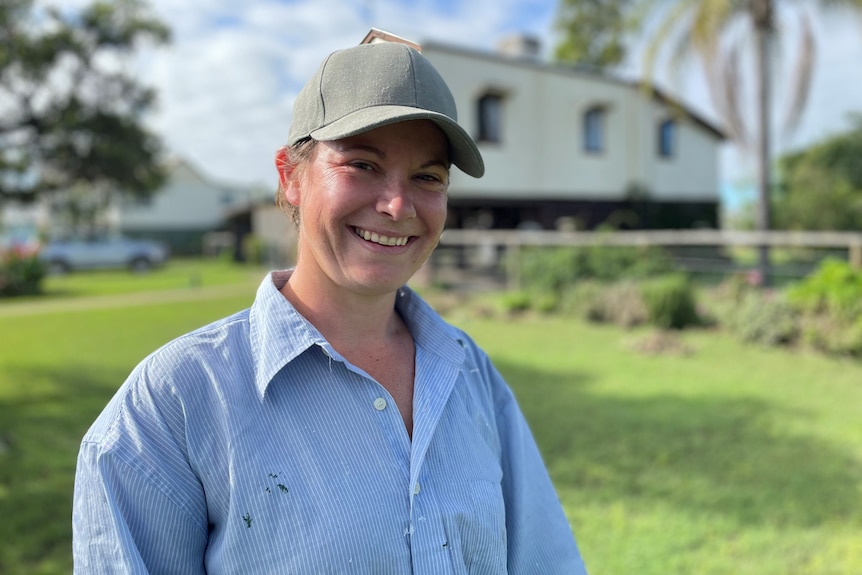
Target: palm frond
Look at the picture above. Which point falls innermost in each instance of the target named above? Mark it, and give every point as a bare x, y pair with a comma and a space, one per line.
802, 72
731, 89
670, 24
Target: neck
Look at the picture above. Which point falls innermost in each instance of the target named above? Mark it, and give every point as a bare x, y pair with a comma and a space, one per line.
343, 317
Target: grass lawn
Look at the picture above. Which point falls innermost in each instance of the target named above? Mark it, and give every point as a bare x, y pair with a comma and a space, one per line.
731, 460
177, 274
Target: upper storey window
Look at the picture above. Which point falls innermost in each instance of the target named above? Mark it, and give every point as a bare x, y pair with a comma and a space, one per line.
594, 130
667, 139
490, 114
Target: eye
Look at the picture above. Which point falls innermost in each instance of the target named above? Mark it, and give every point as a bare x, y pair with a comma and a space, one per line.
434, 177
360, 165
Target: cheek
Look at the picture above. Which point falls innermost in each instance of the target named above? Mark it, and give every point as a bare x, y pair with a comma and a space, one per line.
435, 209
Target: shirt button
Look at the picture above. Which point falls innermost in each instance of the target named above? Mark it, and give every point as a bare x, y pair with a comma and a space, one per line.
416, 489
379, 404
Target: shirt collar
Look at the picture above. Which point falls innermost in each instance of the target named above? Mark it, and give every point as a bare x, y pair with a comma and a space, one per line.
278, 333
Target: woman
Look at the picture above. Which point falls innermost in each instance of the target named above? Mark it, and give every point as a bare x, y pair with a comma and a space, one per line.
339, 425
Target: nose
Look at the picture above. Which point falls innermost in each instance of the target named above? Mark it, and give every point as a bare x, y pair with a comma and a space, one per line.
395, 200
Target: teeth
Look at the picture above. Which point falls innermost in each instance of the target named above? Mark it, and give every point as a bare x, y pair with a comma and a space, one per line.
382, 240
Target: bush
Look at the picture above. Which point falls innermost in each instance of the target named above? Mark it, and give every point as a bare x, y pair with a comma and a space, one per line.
620, 303
516, 301
763, 318
554, 270
834, 289
670, 302
21, 272
827, 335
830, 302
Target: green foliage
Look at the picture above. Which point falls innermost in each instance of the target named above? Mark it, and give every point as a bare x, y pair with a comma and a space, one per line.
554, 270
830, 301
831, 336
834, 289
516, 301
763, 318
254, 249
21, 272
593, 32
670, 302
822, 186
70, 118
619, 303
839, 155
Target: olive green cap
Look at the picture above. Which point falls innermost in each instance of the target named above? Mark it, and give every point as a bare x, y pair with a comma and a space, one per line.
371, 85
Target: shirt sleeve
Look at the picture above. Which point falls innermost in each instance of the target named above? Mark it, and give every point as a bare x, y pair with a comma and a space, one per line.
137, 506
539, 537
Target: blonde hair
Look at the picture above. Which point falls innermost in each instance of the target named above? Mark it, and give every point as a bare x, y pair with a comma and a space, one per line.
295, 158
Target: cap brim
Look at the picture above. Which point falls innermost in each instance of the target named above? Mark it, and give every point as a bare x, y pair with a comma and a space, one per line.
464, 152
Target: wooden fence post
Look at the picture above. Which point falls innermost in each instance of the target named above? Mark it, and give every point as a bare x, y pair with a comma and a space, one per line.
856, 255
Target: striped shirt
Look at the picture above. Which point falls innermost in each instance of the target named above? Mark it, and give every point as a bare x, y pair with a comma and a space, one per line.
252, 446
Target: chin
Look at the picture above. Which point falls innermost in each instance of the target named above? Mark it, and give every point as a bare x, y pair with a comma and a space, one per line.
379, 283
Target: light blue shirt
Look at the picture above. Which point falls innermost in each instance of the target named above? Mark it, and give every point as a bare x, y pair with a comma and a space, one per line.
252, 446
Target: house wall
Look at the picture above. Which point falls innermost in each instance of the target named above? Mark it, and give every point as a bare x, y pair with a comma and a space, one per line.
692, 173
186, 202
542, 152
277, 232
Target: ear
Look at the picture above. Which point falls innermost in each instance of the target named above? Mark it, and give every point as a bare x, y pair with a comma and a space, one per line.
288, 177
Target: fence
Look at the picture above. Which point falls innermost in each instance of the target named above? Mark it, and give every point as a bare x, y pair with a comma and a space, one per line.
488, 246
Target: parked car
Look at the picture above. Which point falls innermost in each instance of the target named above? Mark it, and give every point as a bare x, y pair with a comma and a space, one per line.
102, 252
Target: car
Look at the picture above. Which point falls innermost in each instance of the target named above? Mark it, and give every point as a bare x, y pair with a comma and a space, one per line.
63, 255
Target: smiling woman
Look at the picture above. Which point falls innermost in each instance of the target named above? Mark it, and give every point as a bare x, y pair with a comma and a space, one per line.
339, 424
372, 208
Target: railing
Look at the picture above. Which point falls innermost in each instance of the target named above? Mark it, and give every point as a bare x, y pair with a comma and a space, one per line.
513, 240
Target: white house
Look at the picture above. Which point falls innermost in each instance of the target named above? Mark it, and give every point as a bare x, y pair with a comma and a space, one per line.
563, 145
188, 206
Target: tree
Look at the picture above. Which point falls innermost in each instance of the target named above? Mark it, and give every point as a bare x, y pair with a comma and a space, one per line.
821, 186
593, 32
70, 116
717, 32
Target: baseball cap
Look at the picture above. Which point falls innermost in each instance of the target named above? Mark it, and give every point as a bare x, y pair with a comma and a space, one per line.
371, 85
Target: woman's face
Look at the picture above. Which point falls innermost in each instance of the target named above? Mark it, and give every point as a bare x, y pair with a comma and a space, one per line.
372, 207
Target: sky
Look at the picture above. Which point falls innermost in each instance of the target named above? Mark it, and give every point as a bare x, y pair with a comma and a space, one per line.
227, 81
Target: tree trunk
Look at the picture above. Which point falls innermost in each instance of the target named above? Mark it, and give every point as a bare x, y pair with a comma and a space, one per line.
762, 16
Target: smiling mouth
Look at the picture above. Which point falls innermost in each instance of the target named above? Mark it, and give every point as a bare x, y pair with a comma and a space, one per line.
380, 239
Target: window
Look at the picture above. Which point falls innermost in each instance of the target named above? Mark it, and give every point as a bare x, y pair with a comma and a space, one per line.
594, 128
667, 139
490, 116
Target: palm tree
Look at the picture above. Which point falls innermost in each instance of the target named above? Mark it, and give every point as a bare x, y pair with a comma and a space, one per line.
717, 32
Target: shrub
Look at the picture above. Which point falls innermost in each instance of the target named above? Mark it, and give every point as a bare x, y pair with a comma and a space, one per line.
670, 302
835, 289
763, 318
830, 302
516, 301
620, 303
554, 270
21, 272
583, 300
